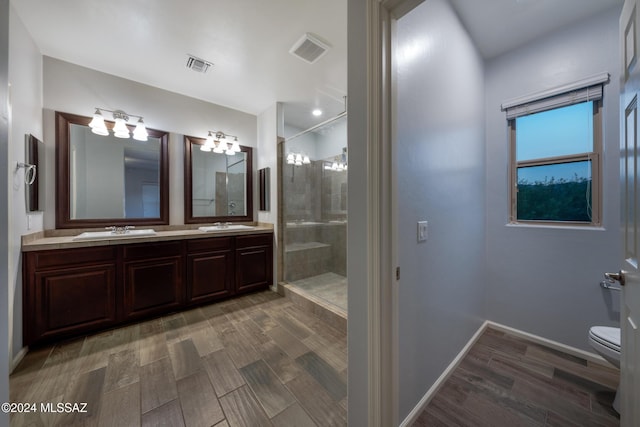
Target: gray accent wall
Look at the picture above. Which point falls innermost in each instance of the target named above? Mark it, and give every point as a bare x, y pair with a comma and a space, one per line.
440, 166
542, 280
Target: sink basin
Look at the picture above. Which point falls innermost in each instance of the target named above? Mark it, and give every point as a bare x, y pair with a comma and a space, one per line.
97, 235
228, 227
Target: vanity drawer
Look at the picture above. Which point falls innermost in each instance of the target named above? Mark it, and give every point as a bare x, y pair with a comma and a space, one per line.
212, 244
253, 240
61, 257
152, 250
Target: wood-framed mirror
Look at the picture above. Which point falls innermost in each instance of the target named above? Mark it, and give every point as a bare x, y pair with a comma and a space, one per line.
103, 180
217, 187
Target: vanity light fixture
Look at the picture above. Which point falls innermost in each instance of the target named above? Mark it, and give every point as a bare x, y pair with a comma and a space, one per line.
120, 129
220, 142
298, 159
335, 166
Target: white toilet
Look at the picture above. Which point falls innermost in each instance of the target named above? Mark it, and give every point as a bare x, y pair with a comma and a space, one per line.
606, 342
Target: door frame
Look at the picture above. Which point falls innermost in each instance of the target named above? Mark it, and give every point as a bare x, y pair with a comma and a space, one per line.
382, 254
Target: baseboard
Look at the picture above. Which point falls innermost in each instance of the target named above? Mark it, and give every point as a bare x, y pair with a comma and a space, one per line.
415, 412
17, 359
592, 357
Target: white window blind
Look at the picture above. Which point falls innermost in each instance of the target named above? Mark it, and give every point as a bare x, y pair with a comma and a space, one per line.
589, 89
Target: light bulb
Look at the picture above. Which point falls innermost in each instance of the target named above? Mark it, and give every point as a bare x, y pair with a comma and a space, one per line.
235, 146
97, 124
140, 132
218, 148
306, 160
298, 159
317, 112
290, 159
120, 129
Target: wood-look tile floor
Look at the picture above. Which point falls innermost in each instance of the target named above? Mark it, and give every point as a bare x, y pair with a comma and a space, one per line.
508, 381
257, 360
331, 287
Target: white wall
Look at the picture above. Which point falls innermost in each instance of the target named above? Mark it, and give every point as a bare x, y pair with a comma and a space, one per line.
73, 89
25, 77
319, 144
332, 140
303, 144
545, 281
5, 258
441, 173
268, 132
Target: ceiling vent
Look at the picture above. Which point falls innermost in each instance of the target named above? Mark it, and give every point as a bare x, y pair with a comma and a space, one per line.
197, 64
309, 48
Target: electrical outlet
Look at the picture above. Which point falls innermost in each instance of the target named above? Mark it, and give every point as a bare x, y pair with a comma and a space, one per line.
423, 233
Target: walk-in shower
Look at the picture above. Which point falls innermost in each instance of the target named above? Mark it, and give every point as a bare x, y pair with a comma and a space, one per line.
314, 211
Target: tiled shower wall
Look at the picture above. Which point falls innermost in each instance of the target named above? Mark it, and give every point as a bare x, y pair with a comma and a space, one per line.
315, 219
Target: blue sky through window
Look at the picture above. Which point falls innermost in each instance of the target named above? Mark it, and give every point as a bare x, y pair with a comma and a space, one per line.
566, 130
562, 131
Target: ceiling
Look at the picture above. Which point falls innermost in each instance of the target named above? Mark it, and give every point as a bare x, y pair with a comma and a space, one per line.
498, 26
248, 43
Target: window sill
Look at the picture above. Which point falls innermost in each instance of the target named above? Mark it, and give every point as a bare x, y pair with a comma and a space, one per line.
557, 226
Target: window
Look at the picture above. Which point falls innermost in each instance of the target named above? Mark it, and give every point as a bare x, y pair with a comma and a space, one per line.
555, 151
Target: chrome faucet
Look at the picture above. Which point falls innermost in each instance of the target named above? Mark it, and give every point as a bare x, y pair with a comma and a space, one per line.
119, 229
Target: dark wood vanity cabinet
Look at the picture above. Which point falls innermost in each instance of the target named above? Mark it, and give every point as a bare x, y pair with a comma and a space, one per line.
69, 292
254, 262
210, 269
152, 279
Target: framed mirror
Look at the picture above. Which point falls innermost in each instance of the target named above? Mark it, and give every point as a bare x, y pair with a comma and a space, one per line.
217, 187
104, 180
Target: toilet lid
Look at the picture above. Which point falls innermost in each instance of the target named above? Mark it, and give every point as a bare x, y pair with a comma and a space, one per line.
606, 335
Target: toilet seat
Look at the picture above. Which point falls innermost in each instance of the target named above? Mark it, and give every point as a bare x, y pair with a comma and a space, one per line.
606, 336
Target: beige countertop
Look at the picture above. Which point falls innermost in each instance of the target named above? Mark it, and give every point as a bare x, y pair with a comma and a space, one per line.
63, 239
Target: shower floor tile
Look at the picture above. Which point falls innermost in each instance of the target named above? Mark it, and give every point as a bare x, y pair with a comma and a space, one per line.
330, 287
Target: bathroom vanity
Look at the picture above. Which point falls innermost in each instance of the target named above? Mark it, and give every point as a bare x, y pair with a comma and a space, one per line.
75, 287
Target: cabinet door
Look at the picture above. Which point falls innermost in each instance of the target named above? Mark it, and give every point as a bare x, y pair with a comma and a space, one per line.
209, 276
69, 301
254, 263
152, 286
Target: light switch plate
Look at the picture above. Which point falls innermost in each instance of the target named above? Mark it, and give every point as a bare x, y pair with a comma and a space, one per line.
423, 233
